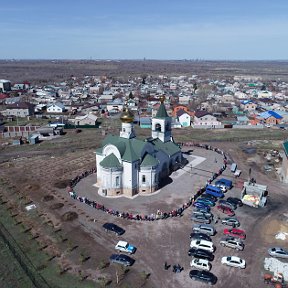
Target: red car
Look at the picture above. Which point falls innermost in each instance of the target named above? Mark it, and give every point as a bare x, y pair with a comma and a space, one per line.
226, 210
235, 233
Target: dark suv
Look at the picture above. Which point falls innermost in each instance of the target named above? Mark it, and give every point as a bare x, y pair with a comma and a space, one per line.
200, 253
114, 228
203, 276
200, 236
122, 259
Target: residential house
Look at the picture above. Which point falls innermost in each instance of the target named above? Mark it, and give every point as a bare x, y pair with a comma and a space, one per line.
19, 109
270, 117
83, 120
205, 119
5, 85
181, 107
227, 98
183, 118
264, 94
242, 120
115, 106
184, 99
145, 122
240, 95
248, 105
56, 108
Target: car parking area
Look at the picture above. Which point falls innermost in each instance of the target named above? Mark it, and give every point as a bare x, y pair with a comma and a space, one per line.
168, 240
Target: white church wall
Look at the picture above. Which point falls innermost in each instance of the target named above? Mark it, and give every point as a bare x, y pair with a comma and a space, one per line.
147, 180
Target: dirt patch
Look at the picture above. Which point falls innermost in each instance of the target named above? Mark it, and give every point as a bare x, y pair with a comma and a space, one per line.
57, 206
69, 216
47, 198
62, 184
272, 228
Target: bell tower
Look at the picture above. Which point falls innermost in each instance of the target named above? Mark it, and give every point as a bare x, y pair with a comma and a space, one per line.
161, 123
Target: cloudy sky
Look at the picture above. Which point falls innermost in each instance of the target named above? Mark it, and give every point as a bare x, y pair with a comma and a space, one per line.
158, 29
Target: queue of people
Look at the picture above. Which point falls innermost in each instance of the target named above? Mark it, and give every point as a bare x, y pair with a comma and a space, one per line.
159, 213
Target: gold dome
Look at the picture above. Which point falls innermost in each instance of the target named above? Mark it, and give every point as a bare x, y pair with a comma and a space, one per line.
162, 98
127, 116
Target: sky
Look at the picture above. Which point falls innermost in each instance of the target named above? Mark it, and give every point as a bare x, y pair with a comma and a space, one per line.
158, 29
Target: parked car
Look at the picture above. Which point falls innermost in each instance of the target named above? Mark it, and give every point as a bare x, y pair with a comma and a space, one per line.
233, 261
235, 233
202, 264
200, 218
202, 212
206, 201
204, 228
278, 252
230, 221
225, 210
200, 236
235, 200
232, 242
200, 253
201, 206
214, 191
228, 204
121, 259
113, 228
225, 182
222, 187
203, 276
208, 196
124, 246
202, 244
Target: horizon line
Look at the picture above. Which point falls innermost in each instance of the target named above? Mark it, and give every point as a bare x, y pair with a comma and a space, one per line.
143, 59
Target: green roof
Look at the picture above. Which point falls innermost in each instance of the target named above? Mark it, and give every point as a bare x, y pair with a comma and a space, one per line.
162, 113
130, 149
149, 161
170, 148
285, 146
110, 161
129, 154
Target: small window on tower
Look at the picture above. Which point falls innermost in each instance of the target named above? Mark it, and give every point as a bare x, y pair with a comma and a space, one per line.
143, 178
158, 127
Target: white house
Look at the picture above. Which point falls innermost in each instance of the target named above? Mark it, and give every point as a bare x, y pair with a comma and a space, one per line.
128, 166
205, 119
88, 119
184, 118
56, 108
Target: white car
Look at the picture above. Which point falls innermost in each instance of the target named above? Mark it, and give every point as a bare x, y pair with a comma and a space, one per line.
201, 264
125, 247
202, 244
233, 261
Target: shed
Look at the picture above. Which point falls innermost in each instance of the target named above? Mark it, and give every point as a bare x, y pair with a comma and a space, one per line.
33, 138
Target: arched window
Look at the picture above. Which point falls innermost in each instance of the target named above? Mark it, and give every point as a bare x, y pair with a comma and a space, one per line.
158, 127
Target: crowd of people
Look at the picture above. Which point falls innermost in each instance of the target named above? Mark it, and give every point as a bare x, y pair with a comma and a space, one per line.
159, 213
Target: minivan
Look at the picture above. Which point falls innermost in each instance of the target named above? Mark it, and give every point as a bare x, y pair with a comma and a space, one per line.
214, 191
204, 228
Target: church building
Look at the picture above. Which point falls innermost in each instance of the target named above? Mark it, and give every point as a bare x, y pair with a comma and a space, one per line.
129, 166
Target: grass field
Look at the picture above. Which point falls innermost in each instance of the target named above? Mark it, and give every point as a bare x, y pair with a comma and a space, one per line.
12, 274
